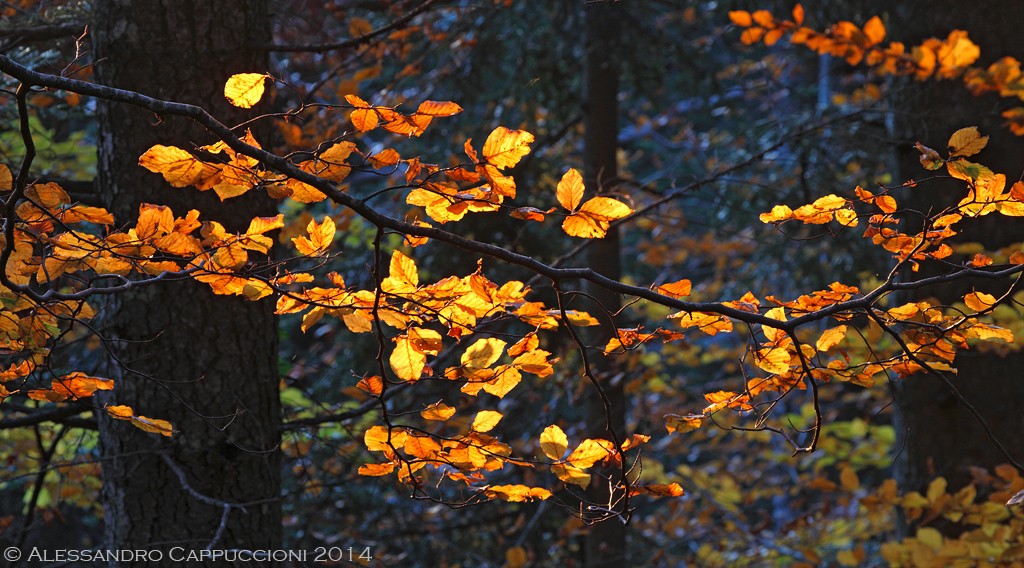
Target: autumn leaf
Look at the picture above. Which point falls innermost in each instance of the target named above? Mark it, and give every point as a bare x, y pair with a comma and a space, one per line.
830, 338
438, 411
6, 179
676, 423
979, 301
376, 469
406, 361
657, 490
593, 218
570, 190
320, 237
482, 353
966, 142
154, 425
178, 167
438, 108
359, 27
553, 442
486, 420
589, 452
504, 148
364, 117
677, 289
244, 89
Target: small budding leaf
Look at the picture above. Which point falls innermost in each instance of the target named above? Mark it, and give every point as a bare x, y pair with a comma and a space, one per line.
244, 89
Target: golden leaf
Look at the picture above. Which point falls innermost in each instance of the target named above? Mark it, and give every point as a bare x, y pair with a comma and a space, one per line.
406, 361
359, 27
364, 117
504, 148
658, 490
553, 442
438, 411
589, 452
570, 190
966, 142
682, 424
571, 474
320, 237
830, 338
244, 89
741, 18
482, 353
486, 420
979, 301
179, 167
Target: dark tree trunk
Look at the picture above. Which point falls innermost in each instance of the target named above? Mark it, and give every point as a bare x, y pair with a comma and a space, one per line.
941, 437
605, 543
207, 363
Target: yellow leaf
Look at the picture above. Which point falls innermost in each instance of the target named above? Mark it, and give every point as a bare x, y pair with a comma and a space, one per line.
320, 237
584, 226
966, 142
154, 425
773, 360
590, 451
553, 442
979, 301
777, 214
658, 490
406, 361
403, 276
605, 208
504, 148
386, 158
677, 289
178, 167
570, 190
482, 353
438, 411
486, 420
682, 424
571, 474
244, 89
517, 492
830, 338
505, 379
376, 439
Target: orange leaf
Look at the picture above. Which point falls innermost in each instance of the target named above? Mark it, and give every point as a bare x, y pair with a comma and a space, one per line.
436, 108
376, 469
677, 289
875, 30
966, 142
830, 338
658, 490
979, 301
6, 179
676, 423
589, 452
741, 18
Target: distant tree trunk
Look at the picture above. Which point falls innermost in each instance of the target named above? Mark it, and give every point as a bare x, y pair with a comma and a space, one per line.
207, 363
942, 438
605, 544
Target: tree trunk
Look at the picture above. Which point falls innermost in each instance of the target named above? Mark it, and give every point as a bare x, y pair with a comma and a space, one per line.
206, 363
941, 437
605, 543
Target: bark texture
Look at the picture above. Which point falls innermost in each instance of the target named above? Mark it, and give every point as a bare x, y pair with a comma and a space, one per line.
207, 363
605, 543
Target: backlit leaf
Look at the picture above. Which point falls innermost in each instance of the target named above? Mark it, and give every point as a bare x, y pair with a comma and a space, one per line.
438, 108
553, 442
438, 411
483, 353
504, 148
979, 301
590, 451
486, 420
830, 338
677, 289
966, 142
244, 89
570, 190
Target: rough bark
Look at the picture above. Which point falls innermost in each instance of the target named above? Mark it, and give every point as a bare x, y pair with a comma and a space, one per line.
941, 438
605, 543
206, 363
